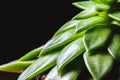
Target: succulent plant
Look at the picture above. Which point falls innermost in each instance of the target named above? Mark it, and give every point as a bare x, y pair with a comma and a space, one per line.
87, 46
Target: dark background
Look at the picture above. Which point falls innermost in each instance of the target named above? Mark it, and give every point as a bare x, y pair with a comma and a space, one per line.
26, 25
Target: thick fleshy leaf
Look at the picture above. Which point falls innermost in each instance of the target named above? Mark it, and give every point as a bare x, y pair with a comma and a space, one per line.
70, 72
115, 15
102, 7
69, 25
116, 22
96, 37
114, 48
98, 64
88, 23
39, 66
86, 13
71, 75
104, 1
15, 66
70, 52
31, 55
60, 40
84, 4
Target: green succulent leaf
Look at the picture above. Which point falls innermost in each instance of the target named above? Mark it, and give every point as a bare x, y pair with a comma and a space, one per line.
98, 64
88, 23
104, 1
70, 72
31, 55
115, 15
102, 7
114, 48
71, 75
60, 40
86, 13
39, 66
70, 52
116, 22
96, 37
84, 4
15, 66
69, 25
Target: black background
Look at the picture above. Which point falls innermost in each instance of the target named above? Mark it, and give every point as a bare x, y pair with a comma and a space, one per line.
26, 25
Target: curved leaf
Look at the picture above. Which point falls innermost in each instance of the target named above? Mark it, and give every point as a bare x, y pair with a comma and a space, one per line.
98, 65
70, 52
88, 23
86, 13
115, 15
31, 55
70, 72
84, 4
104, 1
114, 48
71, 75
116, 23
96, 37
60, 40
69, 25
15, 66
39, 66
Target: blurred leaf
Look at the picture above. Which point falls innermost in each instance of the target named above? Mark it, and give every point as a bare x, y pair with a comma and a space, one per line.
115, 15
84, 4
86, 13
114, 48
116, 22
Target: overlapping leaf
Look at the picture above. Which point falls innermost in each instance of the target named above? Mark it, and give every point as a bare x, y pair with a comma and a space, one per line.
115, 15
116, 22
88, 23
84, 4
39, 66
86, 13
96, 37
31, 55
69, 25
70, 52
70, 72
98, 64
60, 40
114, 48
